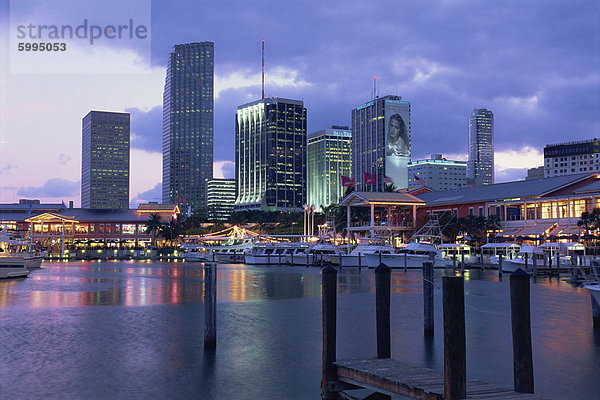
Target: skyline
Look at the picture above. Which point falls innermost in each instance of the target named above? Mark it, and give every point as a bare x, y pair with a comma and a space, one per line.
534, 65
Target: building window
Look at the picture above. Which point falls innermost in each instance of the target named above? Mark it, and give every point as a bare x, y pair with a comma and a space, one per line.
92, 228
101, 229
117, 229
480, 211
471, 211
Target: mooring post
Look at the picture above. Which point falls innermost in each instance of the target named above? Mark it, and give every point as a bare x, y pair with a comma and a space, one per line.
521, 331
329, 310
359, 261
210, 305
382, 309
500, 266
405, 262
428, 298
462, 261
455, 364
480, 258
526, 256
534, 265
557, 264
546, 263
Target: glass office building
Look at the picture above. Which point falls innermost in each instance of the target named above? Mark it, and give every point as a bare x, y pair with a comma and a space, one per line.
188, 125
329, 157
381, 143
270, 155
480, 165
105, 160
437, 173
220, 198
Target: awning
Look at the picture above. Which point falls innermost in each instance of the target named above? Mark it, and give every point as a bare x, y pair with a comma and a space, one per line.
537, 229
572, 230
554, 231
508, 232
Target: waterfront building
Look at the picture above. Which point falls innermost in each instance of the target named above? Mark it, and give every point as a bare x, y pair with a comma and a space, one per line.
480, 165
572, 158
105, 160
526, 208
329, 155
270, 155
437, 173
535, 173
188, 125
220, 198
381, 143
61, 228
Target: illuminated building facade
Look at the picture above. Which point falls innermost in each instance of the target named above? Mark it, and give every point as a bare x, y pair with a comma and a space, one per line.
270, 155
105, 160
220, 198
188, 125
480, 166
381, 143
572, 158
437, 173
329, 155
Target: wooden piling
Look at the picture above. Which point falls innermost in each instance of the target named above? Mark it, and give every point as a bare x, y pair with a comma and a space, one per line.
329, 311
405, 261
521, 331
455, 365
526, 255
462, 261
534, 265
382, 309
454, 261
428, 298
210, 305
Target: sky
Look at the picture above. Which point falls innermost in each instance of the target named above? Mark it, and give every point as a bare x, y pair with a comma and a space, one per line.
535, 64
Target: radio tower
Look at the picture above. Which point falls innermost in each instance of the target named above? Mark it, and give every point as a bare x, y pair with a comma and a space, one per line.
263, 69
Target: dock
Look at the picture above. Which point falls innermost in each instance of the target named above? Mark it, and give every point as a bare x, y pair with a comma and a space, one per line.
391, 377
387, 377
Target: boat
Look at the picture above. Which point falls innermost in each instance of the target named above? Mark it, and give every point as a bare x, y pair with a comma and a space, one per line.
230, 251
525, 255
271, 253
317, 254
492, 251
572, 253
357, 257
413, 255
17, 253
452, 254
594, 289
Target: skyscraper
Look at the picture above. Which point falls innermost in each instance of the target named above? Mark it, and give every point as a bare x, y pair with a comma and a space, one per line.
381, 143
270, 155
188, 125
220, 198
329, 157
480, 165
105, 160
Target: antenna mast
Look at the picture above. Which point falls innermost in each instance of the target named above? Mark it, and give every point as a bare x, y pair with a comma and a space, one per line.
263, 69
374, 87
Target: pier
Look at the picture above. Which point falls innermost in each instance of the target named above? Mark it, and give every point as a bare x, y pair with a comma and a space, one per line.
387, 377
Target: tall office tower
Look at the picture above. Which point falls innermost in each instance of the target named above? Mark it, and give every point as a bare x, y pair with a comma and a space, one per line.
329, 157
381, 143
572, 158
188, 125
105, 160
220, 198
270, 155
480, 165
437, 173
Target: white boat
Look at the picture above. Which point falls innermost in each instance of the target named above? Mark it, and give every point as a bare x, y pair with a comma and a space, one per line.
316, 254
358, 256
492, 251
529, 252
271, 253
568, 253
17, 253
195, 253
594, 289
449, 252
411, 256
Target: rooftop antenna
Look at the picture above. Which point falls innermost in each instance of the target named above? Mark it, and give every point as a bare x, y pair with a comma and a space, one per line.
374, 87
263, 69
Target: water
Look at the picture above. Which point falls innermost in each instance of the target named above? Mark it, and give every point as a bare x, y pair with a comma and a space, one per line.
134, 330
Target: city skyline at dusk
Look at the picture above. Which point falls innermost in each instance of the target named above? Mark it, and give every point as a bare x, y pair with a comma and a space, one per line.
534, 65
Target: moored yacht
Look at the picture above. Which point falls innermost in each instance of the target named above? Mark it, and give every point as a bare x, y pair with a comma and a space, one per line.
271, 253
413, 255
525, 255
317, 254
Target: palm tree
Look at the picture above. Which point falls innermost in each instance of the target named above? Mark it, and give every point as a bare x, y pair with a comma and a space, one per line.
587, 219
389, 187
492, 223
153, 225
171, 230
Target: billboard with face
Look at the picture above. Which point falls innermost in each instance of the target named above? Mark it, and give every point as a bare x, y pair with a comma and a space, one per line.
397, 141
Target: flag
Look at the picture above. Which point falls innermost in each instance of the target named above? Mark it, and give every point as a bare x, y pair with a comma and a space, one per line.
370, 179
346, 181
387, 179
419, 181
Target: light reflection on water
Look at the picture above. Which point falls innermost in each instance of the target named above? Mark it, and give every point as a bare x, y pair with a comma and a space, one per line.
143, 338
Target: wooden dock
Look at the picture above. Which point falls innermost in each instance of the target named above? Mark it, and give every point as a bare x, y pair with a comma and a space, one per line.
393, 377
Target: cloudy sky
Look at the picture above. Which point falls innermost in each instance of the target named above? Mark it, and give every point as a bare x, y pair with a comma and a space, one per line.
535, 64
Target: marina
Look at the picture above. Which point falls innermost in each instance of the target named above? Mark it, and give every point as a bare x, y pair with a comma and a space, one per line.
132, 329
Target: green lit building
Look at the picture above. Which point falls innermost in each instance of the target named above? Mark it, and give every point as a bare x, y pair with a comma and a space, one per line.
105, 160
188, 125
270, 155
329, 156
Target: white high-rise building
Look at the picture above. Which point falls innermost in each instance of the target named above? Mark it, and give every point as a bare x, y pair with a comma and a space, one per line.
480, 166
